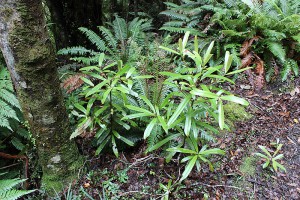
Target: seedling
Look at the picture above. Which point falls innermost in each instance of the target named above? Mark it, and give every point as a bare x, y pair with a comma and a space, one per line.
271, 160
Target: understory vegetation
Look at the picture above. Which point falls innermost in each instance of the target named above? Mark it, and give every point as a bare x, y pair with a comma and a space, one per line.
168, 91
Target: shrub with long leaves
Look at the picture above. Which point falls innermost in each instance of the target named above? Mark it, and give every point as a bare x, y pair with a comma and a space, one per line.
190, 111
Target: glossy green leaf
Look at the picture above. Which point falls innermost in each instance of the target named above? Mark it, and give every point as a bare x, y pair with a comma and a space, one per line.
163, 123
97, 88
208, 54
102, 145
149, 128
188, 168
81, 108
265, 150
262, 155
138, 109
87, 81
182, 150
147, 101
278, 157
228, 61
105, 95
221, 115
137, 115
213, 151
114, 146
162, 142
100, 111
179, 109
188, 124
235, 99
203, 93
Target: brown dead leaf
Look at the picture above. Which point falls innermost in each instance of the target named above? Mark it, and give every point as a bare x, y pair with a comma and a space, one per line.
86, 185
284, 114
222, 146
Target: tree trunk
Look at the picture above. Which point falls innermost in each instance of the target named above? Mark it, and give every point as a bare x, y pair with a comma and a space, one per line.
30, 58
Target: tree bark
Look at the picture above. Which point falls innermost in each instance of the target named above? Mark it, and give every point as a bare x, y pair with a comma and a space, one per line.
30, 58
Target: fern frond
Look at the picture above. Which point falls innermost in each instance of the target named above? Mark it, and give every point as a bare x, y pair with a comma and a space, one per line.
9, 97
8, 184
14, 194
287, 68
94, 39
73, 82
274, 34
174, 24
17, 143
156, 134
4, 122
277, 50
182, 30
7, 111
175, 15
294, 66
78, 50
86, 60
109, 37
120, 29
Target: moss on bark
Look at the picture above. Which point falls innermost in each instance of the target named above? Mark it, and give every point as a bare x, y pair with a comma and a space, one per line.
40, 95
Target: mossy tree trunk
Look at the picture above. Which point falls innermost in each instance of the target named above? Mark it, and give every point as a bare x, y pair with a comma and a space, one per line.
30, 58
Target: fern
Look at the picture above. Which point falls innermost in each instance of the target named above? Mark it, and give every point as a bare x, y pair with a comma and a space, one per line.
10, 113
115, 41
285, 71
78, 50
277, 50
7, 191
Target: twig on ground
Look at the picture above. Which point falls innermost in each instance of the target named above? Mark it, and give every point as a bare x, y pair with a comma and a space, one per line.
213, 186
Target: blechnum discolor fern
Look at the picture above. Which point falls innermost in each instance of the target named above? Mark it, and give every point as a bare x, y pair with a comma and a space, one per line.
10, 114
230, 23
115, 41
8, 191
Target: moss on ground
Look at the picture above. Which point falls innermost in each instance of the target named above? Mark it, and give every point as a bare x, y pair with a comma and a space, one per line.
248, 166
235, 113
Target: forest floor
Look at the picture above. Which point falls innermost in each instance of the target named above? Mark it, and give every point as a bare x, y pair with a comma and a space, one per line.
238, 175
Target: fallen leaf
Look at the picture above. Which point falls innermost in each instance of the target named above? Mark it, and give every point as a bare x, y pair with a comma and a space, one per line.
86, 185
284, 114
222, 146
296, 121
245, 87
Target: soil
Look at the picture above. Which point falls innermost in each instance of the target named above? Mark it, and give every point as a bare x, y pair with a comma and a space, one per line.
237, 175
